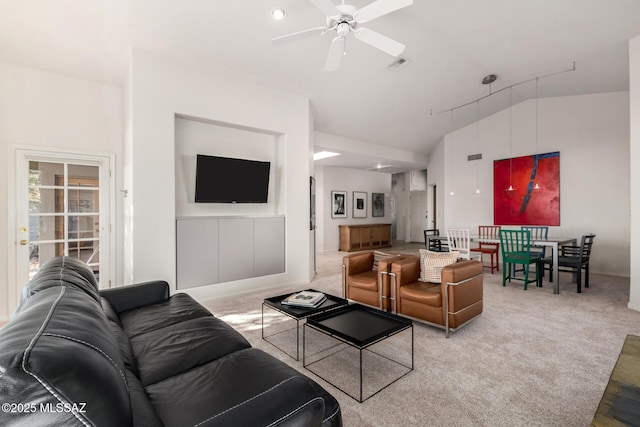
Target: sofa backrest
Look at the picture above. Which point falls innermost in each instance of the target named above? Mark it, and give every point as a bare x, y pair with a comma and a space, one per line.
59, 356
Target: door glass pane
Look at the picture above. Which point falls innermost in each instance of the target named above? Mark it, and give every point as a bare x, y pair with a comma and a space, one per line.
83, 176
64, 212
44, 173
39, 253
46, 227
83, 201
43, 200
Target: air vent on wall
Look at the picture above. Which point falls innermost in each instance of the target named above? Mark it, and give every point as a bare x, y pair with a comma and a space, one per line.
398, 63
474, 157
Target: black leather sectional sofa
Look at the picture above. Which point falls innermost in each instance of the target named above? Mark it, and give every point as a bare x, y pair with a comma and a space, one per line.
135, 356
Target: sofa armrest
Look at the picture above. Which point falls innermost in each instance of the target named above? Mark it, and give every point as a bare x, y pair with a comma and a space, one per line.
358, 262
138, 295
406, 270
462, 289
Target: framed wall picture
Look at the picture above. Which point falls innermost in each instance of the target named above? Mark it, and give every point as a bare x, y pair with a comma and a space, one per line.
377, 204
534, 198
359, 204
338, 204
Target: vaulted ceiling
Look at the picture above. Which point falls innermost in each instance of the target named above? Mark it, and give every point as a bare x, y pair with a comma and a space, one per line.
450, 46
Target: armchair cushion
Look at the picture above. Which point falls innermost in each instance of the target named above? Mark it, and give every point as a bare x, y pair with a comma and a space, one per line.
432, 263
367, 280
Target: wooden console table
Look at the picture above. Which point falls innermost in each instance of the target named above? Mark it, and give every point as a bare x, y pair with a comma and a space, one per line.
620, 404
365, 236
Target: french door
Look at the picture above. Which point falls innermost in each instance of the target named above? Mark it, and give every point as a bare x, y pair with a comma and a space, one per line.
62, 208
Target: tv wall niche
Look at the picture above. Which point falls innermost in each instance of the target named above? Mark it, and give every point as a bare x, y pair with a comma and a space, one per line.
194, 136
226, 242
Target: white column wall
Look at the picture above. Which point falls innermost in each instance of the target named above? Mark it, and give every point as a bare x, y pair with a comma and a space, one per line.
52, 111
634, 157
591, 132
160, 89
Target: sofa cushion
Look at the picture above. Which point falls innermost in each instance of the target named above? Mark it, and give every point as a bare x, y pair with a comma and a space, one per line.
424, 293
177, 348
144, 415
178, 308
431, 264
367, 280
229, 395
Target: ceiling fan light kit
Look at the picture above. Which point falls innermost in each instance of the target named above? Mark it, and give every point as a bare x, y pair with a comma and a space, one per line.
344, 19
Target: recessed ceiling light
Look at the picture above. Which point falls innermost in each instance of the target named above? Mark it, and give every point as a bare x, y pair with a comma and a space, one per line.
324, 155
278, 14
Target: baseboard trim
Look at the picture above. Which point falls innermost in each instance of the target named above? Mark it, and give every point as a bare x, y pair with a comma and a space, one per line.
633, 306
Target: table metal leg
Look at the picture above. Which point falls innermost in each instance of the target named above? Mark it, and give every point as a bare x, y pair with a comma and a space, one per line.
555, 273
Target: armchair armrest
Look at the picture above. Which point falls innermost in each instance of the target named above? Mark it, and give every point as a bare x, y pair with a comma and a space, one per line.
139, 295
358, 262
462, 288
406, 270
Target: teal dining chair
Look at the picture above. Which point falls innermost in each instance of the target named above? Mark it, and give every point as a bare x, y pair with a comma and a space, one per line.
515, 246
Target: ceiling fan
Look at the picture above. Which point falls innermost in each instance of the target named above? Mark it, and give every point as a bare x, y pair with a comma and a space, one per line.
344, 19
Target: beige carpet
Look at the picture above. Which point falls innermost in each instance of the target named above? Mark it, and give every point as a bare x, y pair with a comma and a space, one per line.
532, 359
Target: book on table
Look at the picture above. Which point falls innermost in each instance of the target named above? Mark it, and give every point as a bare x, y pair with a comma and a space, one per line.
309, 299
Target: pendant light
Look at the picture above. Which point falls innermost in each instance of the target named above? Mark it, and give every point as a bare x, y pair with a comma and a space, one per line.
478, 146
451, 172
510, 139
536, 159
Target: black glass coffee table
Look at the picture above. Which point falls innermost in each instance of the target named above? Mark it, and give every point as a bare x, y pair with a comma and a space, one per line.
357, 327
298, 314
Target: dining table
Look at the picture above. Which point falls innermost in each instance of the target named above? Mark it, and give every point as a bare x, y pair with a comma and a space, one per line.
552, 242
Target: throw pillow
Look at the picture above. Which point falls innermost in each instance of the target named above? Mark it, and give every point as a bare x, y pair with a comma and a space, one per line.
432, 263
378, 256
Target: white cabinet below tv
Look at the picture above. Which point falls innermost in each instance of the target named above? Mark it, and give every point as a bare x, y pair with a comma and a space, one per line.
212, 250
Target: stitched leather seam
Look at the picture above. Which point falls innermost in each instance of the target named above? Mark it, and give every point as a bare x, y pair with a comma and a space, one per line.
32, 344
331, 416
294, 411
94, 348
242, 403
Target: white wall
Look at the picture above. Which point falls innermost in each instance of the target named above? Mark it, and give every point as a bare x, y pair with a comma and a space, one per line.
161, 88
41, 109
591, 132
435, 176
349, 180
634, 114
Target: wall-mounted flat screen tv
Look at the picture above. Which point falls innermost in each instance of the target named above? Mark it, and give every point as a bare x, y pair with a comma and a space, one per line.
229, 180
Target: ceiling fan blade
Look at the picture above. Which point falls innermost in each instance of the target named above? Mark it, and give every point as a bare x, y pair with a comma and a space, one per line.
336, 51
379, 41
299, 35
326, 6
379, 8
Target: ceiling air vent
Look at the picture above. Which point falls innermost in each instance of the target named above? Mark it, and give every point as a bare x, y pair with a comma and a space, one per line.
398, 64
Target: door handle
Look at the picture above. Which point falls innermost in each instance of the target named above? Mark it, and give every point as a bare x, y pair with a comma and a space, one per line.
23, 242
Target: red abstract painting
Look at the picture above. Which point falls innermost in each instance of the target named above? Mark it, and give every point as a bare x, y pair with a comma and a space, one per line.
535, 198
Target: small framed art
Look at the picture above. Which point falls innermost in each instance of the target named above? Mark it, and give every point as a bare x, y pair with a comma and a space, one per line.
359, 204
338, 204
377, 204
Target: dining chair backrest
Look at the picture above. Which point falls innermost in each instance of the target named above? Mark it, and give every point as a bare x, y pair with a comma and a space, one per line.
489, 231
538, 232
435, 245
583, 252
459, 240
515, 241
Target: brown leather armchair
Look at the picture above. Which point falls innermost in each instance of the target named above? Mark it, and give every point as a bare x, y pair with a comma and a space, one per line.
449, 304
361, 283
